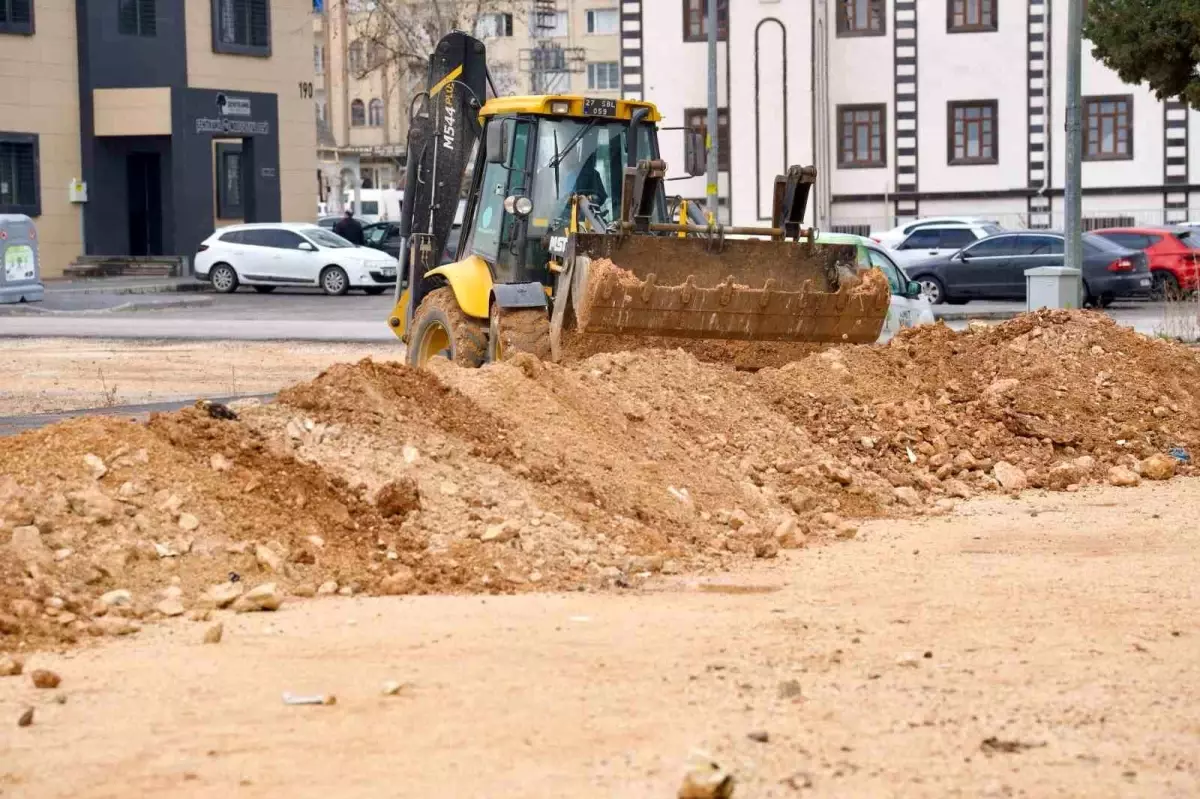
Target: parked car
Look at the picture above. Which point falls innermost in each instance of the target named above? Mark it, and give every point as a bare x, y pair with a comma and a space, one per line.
891, 238
266, 256
330, 221
994, 269
386, 236
1174, 255
906, 308
943, 238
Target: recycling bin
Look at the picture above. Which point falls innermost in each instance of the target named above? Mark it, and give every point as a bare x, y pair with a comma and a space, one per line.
20, 273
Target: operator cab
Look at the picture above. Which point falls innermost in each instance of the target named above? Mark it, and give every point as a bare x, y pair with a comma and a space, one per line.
536, 162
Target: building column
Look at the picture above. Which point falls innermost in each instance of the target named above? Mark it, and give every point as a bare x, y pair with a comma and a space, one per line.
904, 44
1175, 161
1037, 69
632, 80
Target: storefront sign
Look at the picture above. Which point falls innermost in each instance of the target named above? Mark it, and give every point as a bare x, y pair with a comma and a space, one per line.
244, 127
233, 106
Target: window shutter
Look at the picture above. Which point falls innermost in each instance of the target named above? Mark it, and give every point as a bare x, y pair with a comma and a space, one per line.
260, 27
127, 18
18, 173
148, 13
20, 12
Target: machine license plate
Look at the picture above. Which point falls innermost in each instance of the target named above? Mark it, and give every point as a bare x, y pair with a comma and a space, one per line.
599, 107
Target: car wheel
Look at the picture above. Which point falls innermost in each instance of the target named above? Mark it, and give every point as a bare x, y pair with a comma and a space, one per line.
1166, 287
440, 327
264, 289
931, 290
375, 291
224, 278
334, 281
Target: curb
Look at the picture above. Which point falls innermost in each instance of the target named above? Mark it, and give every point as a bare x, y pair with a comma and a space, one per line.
176, 286
964, 316
131, 305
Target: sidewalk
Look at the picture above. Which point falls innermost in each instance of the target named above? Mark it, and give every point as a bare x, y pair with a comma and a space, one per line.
124, 285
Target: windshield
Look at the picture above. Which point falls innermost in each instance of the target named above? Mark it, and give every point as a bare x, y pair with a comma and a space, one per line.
581, 157
325, 238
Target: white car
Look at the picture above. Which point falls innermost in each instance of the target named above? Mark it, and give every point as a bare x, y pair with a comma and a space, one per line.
936, 240
268, 255
906, 308
893, 237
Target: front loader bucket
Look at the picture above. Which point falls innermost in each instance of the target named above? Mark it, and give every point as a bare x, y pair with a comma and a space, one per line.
737, 290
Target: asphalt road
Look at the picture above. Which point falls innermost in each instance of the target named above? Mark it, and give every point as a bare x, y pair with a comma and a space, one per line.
308, 315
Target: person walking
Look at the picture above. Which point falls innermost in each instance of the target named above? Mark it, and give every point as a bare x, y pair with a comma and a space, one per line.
349, 229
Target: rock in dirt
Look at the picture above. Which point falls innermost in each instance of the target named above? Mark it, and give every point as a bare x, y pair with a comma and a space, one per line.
94, 505
262, 597
392, 688
11, 666
188, 522
1158, 467
44, 678
1002, 387
170, 607
27, 546
759, 736
706, 780
267, 558
119, 597
907, 495
114, 626
398, 497
766, 548
399, 582
1123, 477
219, 463
1011, 478
95, 465
213, 634
221, 596
790, 689
500, 533
305, 591
26, 718
327, 588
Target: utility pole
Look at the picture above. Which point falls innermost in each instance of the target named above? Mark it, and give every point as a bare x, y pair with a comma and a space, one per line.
713, 142
1073, 229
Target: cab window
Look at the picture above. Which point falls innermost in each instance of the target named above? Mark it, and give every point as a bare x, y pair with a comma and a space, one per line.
885, 264
493, 227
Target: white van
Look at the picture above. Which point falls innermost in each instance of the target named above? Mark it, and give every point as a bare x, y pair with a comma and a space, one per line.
378, 205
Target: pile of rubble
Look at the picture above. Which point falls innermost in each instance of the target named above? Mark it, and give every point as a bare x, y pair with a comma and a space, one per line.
532, 476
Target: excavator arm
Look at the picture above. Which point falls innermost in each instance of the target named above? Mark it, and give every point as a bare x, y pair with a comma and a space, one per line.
443, 129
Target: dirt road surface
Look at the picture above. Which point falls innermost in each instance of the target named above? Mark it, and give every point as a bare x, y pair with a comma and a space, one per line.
1047, 646
65, 374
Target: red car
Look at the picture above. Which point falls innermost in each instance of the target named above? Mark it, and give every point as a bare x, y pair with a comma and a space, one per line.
1173, 252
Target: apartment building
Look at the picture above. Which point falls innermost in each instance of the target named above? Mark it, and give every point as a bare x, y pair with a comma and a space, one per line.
910, 107
133, 127
533, 46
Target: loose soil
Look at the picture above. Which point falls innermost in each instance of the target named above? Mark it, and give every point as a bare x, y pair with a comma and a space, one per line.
1042, 647
42, 375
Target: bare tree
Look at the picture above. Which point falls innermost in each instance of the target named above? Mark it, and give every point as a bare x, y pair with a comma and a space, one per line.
400, 35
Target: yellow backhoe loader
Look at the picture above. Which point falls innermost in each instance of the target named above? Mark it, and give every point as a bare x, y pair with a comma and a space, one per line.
570, 244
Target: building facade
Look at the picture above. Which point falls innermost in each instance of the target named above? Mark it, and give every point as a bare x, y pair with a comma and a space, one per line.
135, 127
910, 107
362, 106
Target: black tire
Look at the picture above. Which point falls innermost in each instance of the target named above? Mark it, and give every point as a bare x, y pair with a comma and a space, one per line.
334, 281
931, 289
1093, 301
514, 330
264, 289
1166, 287
375, 291
439, 327
224, 278
956, 302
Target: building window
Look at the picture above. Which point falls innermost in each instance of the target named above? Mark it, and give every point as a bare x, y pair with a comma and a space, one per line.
318, 59
972, 132
603, 21
861, 18
861, 130
490, 26
19, 189
229, 181
321, 110
1108, 128
697, 120
375, 113
242, 27
605, 76
137, 18
695, 20
965, 16
358, 114
548, 25
16, 16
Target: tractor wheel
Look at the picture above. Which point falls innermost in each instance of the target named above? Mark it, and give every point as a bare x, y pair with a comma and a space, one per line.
514, 330
439, 327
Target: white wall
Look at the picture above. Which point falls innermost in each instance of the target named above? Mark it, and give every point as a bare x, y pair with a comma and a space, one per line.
861, 71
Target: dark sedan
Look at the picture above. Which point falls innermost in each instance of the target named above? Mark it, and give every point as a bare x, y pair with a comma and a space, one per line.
994, 269
386, 236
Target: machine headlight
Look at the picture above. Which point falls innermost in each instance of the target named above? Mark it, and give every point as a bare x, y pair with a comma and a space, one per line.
521, 206
560, 107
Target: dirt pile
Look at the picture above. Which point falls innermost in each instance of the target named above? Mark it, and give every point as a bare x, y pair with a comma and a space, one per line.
527, 475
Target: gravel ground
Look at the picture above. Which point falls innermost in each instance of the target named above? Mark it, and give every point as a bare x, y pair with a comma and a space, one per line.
986, 653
